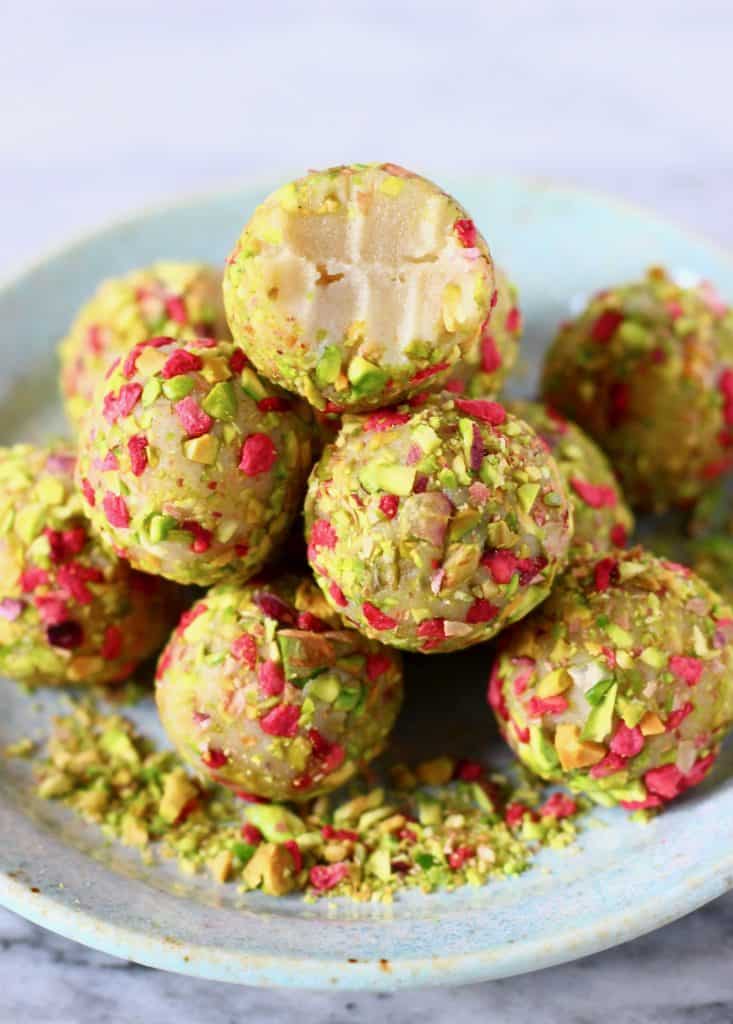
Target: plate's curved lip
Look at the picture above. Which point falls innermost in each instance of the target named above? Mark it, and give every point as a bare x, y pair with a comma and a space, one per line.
330, 974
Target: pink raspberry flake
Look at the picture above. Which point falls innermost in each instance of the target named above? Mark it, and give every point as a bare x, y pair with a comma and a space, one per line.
627, 742
322, 535
513, 322
686, 668
88, 491
388, 505
259, 455
610, 764
237, 361
190, 616
385, 419
192, 417
116, 511
717, 467
676, 718
329, 832
33, 577
558, 806
458, 857
112, 643
201, 537
465, 231
521, 734
501, 564
725, 386
271, 678
495, 693
294, 850
327, 876
281, 721
214, 758
490, 356
137, 447
468, 771
337, 595
275, 403
480, 611
605, 574
604, 327
539, 706
427, 373
275, 608
514, 814
431, 629
619, 535
310, 623
377, 665
376, 618
699, 770
73, 579
244, 649
176, 309
526, 668
251, 834
109, 464
595, 495
180, 361
666, 781
329, 755
482, 409
118, 406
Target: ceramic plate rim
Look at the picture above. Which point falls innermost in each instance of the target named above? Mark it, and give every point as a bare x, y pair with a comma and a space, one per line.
205, 961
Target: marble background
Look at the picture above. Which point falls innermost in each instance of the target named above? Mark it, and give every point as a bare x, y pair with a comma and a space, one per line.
108, 106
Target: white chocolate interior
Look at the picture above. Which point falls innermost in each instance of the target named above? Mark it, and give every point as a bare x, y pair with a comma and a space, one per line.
378, 266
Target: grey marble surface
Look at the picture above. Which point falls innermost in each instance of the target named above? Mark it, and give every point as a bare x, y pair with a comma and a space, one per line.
105, 107
679, 975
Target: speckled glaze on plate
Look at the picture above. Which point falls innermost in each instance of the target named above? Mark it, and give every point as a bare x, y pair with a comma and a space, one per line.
626, 879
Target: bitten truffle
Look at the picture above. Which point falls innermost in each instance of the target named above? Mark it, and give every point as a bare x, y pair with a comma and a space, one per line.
263, 689
192, 465
433, 527
621, 685
358, 286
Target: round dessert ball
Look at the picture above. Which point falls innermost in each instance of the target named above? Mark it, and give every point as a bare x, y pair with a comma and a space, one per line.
647, 371
621, 685
180, 300
358, 286
482, 371
70, 611
603, 520
193, 466
432, 527
263, 689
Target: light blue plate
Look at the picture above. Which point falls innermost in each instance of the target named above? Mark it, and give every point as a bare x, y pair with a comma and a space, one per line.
626, 879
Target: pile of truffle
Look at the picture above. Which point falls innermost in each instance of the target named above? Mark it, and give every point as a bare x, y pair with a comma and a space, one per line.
351, 371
